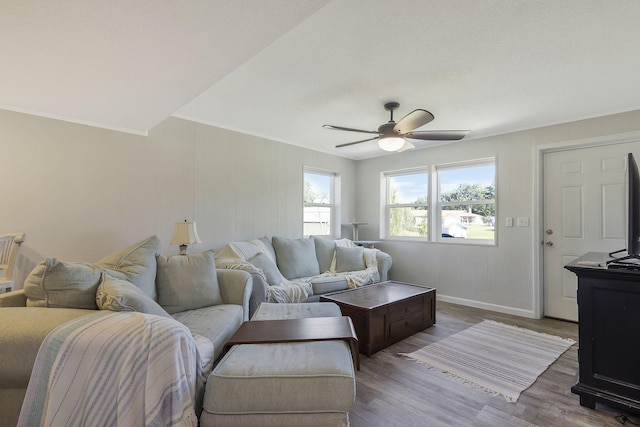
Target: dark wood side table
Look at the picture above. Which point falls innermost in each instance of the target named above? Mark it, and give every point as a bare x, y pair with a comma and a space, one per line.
386, 312
609, 333
297, 330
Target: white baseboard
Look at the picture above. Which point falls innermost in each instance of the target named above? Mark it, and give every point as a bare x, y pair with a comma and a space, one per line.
487, 306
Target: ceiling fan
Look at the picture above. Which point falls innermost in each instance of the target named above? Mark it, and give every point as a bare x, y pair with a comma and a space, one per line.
393, 136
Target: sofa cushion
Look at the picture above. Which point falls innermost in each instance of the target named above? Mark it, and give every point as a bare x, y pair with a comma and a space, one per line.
325, 249
274, 311
217, 323
349, 259
55, 283
296, 257
300, 377
270, 270
23, 330
187, 282
324, 285
119, 295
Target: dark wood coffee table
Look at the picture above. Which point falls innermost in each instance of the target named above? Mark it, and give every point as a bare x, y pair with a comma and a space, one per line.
386, 312
297, 330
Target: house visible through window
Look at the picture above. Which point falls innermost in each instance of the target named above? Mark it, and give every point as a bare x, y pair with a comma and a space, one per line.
460, 208
467, 201
407, 204
319, 202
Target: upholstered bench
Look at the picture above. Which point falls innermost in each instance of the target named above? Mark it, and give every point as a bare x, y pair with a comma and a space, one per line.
284, 384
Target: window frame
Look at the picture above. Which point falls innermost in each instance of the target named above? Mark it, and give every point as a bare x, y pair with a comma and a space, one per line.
333, 205
438, 203
434, 204
386, 230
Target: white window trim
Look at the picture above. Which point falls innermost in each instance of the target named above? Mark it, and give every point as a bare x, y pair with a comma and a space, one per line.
386, 206
434, 206
334, 196
437, 214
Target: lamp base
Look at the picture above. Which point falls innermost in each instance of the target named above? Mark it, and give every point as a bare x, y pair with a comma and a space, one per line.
183, 249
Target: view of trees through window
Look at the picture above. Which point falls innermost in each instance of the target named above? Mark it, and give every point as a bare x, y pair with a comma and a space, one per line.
408, 205
465, 199
318, 203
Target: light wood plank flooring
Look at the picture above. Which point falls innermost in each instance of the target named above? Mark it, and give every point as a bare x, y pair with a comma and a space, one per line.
394, 391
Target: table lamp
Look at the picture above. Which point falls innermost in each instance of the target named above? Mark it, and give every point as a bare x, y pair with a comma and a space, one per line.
185, 234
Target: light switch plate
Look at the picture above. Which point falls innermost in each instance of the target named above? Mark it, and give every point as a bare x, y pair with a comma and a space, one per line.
523, 221
509, 222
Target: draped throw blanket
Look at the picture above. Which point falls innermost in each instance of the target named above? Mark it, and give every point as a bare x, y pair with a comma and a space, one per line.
236, 256
115, 369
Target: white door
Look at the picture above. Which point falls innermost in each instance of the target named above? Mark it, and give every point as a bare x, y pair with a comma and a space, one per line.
584, 211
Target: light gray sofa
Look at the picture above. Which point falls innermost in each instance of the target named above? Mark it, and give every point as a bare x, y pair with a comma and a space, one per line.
301, 270
211, 303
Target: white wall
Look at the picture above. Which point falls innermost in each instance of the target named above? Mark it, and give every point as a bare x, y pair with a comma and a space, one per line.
504, 277
80, 193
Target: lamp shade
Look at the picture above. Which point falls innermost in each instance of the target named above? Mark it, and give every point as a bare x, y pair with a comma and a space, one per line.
185, 233
391, 143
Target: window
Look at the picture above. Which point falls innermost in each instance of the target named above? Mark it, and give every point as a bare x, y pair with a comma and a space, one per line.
407, 210
467, 201
319, 210
449, 203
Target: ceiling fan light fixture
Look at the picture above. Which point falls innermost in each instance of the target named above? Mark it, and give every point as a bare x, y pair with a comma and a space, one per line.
391, 135
391, 143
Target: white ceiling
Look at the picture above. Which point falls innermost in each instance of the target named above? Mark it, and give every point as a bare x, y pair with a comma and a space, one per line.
280, 69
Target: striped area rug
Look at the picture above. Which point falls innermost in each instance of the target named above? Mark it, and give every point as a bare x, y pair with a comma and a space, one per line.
499, 358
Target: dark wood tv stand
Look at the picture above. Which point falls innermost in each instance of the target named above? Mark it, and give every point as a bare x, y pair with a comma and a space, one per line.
609, 334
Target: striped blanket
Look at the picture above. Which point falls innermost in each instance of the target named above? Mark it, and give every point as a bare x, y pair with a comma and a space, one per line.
115, 369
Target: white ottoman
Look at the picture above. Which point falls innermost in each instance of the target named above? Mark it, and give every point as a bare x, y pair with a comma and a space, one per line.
292, 384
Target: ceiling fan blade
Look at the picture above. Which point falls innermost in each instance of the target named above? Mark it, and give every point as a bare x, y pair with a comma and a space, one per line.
349, 129
407, 146
438, 135
412, 121
355, 142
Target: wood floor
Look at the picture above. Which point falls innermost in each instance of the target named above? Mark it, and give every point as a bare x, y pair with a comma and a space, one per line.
394, 391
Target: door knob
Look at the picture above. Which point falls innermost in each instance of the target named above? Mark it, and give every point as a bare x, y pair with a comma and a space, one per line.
548, 243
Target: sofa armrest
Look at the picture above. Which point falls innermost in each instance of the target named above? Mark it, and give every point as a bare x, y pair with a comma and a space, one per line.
235, 288
384, 264
259, 293
13, 299
260, 285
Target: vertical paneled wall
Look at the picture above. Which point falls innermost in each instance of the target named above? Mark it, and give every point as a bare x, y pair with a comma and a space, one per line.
501, 277
80, 192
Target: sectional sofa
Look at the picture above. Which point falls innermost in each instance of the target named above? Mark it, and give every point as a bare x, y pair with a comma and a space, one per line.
300, 270
172, 293
137, 330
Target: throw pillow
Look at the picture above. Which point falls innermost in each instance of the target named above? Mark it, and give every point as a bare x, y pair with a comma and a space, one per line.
55, 283
266, 241
58, 284
270, 270
245, 250
135, 264
325, 249
119, 295
187, 282
349, 259
296, 257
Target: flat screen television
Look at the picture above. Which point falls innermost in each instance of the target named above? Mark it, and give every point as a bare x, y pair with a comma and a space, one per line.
632, 213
